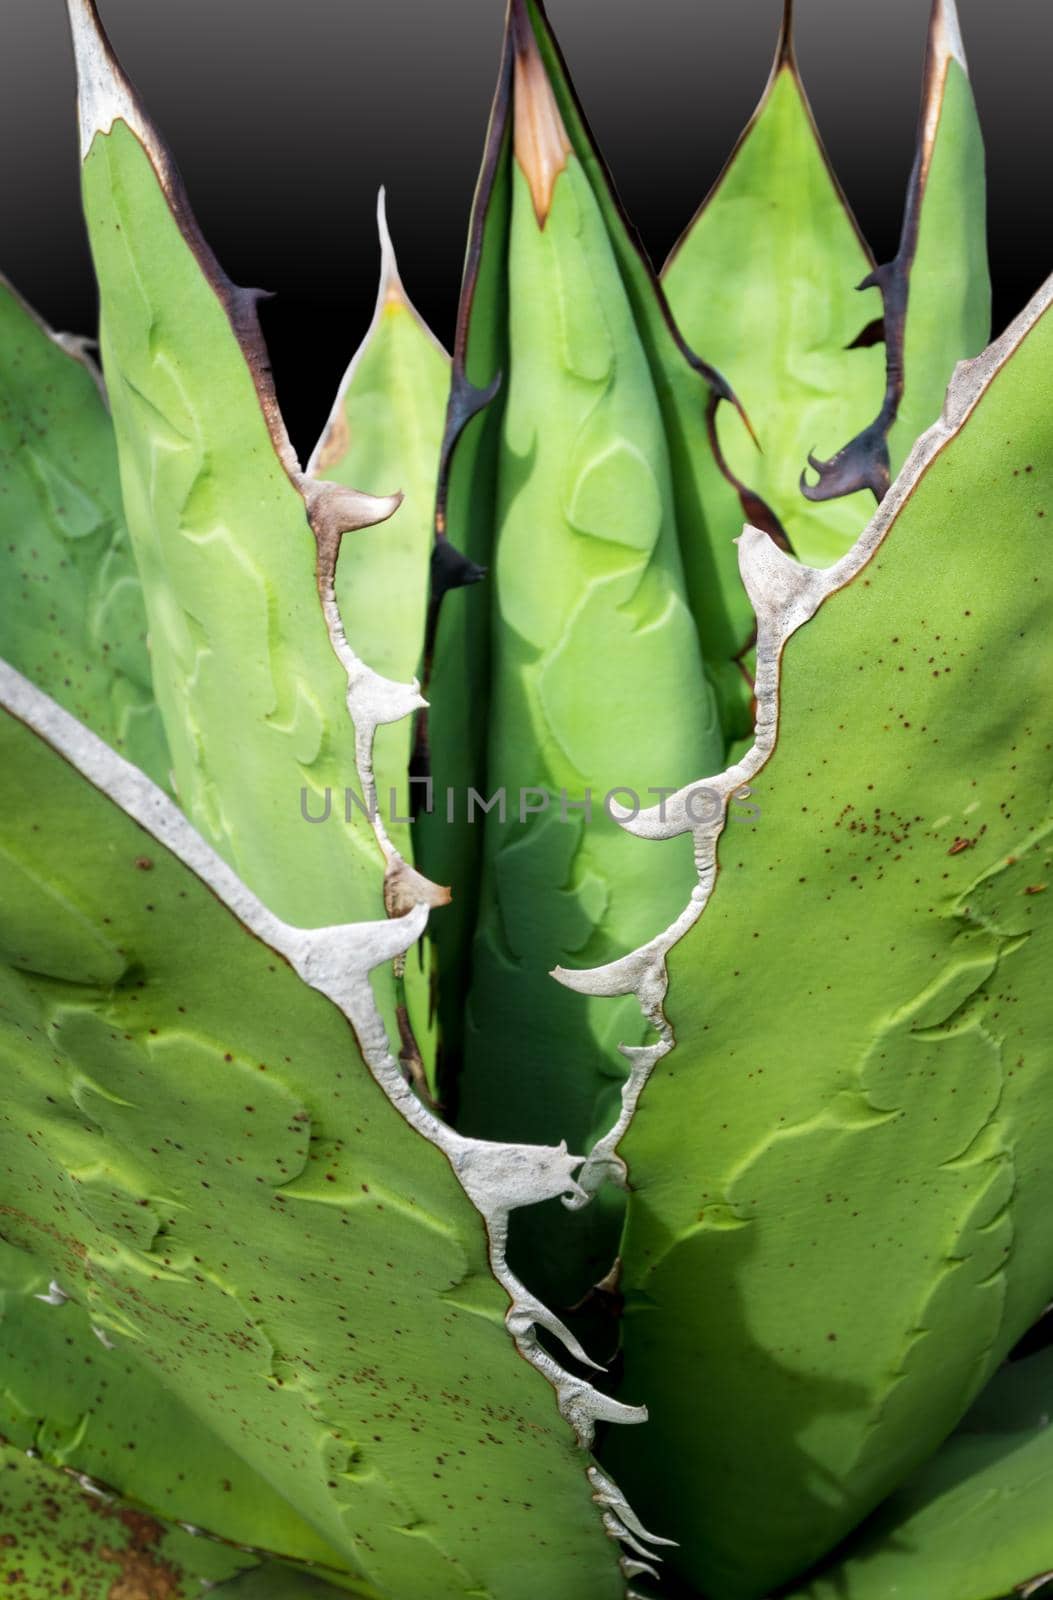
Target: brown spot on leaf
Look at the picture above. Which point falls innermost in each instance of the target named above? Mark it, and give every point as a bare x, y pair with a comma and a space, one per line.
337, 441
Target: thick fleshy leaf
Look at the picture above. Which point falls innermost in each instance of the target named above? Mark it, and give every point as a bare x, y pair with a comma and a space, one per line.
59, 1537
710, 499
386, 428
708, 505
764, 280
937, 291
822, 1274
237, 549
72, 615
947, 316
81, 1405
589, 607
198, 1154
977, 1521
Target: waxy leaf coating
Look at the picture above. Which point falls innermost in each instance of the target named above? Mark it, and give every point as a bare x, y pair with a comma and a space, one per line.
93, 1408
765, 281
385, 430
975, 1521
72, 618
840, 1185
229, 1193
588, 607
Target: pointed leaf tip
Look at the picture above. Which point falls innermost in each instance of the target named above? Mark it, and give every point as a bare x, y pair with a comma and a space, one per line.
946, 33
540, 139
785, 53
104, 95
391, 288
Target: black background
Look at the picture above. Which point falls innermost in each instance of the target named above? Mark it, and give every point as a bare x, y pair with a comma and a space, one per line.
285, 115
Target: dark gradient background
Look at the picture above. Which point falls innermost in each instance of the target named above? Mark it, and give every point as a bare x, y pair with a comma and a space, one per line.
285, 115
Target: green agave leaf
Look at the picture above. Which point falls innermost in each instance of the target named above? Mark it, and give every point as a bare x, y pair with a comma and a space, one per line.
862, 1018
710, 499
387, 423
254, 672
937, 291
975, 1521
387, 426
764, 280
947, 316
79, 1404
708, 504
244, 1196
73, 617
60, 1537
588, 602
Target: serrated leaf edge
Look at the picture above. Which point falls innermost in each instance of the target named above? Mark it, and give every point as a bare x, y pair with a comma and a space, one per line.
863, 463
784, 595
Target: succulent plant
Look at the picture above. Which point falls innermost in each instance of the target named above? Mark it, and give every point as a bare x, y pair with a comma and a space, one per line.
524, 1002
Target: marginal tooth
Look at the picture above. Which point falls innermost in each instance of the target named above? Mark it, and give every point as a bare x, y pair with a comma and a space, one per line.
89, 1485
700, 804
103, 1338
607, 1493
602, 1165
404, 888
637, 1569
55, 1295
335, 509
337, 961
640, 971
374, 701
617, 1530
784, 594
526, 1312
644, 1057
583, 1406
501, 1177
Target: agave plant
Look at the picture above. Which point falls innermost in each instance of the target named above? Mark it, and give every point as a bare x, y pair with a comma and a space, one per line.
525, 1002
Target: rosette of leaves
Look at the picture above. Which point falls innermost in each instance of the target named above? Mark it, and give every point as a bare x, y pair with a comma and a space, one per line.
326, 1200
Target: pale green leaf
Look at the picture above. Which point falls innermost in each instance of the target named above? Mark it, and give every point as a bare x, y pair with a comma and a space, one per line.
976, 1521
840, 1189
72, 616
231, 1197
765, 281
